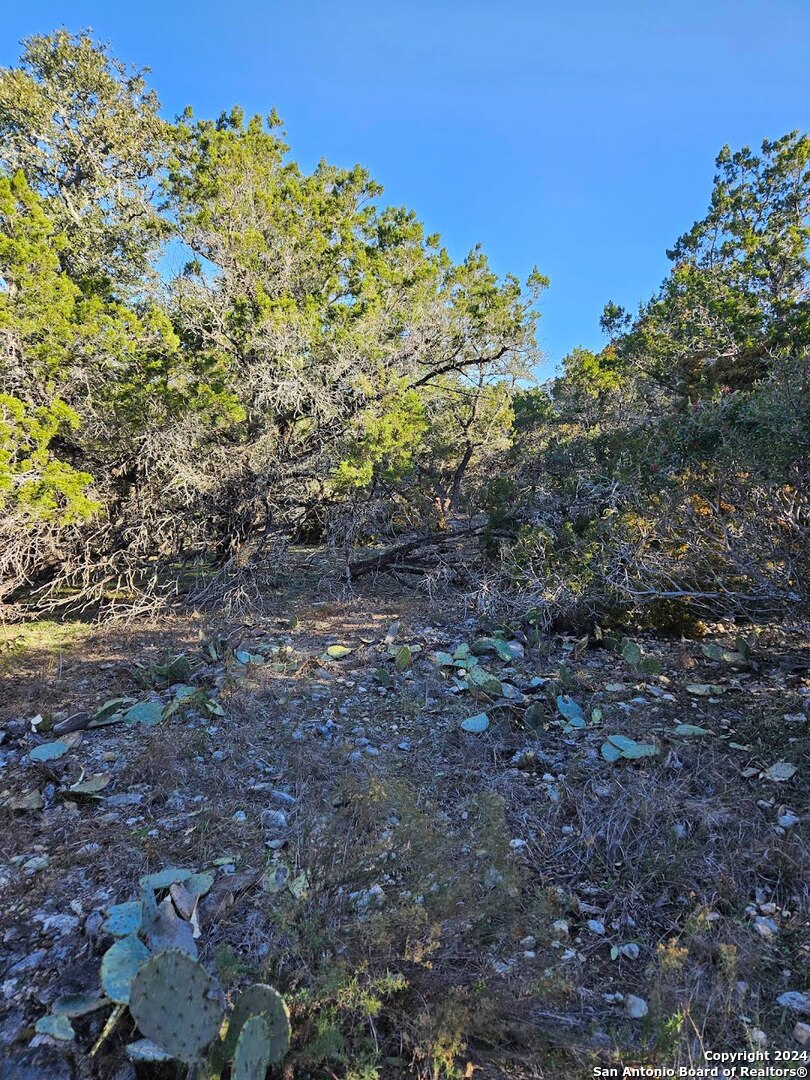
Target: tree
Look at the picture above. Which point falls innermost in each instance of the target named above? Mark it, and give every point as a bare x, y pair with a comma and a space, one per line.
85, 131
39, 327
334, 315
739, 289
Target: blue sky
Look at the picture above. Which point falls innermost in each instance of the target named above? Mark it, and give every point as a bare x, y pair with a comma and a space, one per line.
579, 136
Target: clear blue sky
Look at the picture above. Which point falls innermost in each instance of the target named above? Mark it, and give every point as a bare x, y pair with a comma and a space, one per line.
579, 136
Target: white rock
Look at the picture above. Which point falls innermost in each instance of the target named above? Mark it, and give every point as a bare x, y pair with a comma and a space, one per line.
766, 928
368, 899
58, 924
794, 999
274, 819
595, 926
801, 1033
635, 1007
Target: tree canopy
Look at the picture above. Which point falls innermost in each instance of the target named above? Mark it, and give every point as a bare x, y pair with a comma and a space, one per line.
321, 369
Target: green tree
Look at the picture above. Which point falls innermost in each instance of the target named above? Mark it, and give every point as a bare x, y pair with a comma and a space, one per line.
39, 331
739, 290
85, 131
334, 315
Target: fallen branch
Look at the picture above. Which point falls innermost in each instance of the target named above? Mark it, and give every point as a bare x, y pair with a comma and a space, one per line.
384, 559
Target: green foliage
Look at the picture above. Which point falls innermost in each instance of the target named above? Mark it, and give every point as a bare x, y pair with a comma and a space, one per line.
322, 369
319, 348
737, 291
664, 480
40, 320
85, 131
385, 445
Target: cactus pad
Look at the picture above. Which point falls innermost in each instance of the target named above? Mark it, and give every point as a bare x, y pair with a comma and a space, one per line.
260, 1000
253, 1048
175, 1004
119, 965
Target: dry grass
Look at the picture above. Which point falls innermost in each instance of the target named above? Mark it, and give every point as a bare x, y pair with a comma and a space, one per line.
676, 855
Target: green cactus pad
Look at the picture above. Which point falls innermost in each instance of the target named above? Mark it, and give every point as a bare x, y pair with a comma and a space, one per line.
72, 1005
119, 965
123, 919
253, 1047
260, 1000
59, 1027
174, 1003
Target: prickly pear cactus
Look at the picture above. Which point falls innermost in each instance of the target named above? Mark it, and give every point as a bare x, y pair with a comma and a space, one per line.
253, 1049
260, 1000
174, 1002
119, 966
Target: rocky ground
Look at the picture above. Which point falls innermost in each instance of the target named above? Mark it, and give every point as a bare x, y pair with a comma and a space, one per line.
458, 848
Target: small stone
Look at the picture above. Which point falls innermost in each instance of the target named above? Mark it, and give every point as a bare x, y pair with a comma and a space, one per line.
595, 926
492, 878
368, 899
274, 819
240, 815
517, 844
766, 928
92, 924
28, 963
126, 798
560, 927
61, 925
635, 1007
758, 1037
529, 942
795, 1000
801, 1033
788, 820
35, 864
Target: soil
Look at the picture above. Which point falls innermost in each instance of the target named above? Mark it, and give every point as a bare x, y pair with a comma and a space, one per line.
431, 901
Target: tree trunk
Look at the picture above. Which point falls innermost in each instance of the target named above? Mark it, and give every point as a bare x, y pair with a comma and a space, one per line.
458, 476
